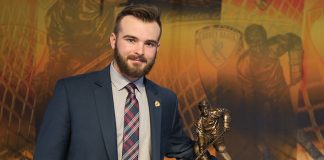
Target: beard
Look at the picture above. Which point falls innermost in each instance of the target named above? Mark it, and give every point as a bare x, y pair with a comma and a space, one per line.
135, 71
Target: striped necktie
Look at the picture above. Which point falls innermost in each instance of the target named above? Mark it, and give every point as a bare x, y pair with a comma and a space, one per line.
131, 125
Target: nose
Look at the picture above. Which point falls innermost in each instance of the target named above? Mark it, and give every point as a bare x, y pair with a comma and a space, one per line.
139, 48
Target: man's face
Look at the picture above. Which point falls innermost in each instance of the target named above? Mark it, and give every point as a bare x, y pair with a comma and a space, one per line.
204, 111
135, 46
257, 42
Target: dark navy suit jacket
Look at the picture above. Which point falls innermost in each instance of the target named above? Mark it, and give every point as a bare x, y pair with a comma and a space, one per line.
79, 123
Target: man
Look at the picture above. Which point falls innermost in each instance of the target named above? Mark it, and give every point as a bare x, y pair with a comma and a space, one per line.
210, 128
266, 95
117, 113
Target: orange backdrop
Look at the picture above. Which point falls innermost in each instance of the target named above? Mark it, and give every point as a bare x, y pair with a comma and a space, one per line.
42, 41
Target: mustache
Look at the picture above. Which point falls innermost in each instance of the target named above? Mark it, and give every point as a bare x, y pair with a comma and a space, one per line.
139, 58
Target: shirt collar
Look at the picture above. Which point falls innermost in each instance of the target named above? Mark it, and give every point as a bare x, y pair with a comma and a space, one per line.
119, 81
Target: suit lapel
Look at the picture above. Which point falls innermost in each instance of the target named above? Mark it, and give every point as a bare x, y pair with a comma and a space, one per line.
106, 112
155, 118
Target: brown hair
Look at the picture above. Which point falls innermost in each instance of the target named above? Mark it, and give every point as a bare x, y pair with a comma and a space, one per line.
144, 12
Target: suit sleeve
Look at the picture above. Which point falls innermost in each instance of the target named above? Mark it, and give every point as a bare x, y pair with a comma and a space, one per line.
180, 146
54, 136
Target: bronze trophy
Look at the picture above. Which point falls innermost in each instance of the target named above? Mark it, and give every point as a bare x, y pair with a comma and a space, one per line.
211, 126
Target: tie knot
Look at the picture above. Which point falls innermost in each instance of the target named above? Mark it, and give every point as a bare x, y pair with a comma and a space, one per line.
131, 88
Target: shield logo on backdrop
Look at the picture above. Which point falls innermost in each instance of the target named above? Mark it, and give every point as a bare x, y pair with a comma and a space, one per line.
217, 48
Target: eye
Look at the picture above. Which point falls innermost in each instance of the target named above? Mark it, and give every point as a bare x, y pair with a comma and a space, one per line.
151, 44
131, 40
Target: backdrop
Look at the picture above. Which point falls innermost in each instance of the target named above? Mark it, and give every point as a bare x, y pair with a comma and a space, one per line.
275, 94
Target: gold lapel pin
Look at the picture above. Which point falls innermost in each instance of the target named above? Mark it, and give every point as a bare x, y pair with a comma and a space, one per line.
157, 104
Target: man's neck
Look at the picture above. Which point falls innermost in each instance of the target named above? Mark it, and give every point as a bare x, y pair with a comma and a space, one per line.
132, 79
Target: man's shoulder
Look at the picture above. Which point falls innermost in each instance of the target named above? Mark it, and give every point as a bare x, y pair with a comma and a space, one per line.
81, 79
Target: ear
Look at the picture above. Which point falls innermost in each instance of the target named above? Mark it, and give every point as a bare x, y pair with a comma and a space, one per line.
158, 47
113, 40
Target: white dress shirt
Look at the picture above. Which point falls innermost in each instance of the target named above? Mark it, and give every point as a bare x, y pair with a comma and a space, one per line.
119, 96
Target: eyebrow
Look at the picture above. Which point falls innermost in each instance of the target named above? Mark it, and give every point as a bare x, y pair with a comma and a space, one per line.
129, 36
133, 37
